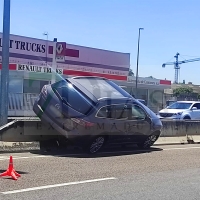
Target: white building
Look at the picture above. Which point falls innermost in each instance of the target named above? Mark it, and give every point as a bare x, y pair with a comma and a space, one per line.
31, 67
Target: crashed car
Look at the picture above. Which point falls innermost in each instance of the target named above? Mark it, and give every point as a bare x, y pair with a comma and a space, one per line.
93, 111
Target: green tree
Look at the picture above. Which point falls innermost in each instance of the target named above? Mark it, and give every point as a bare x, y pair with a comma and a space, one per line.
182, 91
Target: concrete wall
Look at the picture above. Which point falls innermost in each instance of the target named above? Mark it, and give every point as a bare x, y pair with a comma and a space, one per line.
180, 128
173, 132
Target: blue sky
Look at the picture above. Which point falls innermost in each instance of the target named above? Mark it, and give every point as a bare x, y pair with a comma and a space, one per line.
169, 27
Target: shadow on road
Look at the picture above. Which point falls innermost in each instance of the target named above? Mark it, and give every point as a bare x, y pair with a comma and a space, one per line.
20, 172
106, 152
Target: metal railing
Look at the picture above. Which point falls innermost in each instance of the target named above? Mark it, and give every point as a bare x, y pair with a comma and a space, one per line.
21, 104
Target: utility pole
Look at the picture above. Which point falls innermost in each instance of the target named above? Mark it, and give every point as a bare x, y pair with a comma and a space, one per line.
176, 67
5, 64
54, 63
136, 86
46, 34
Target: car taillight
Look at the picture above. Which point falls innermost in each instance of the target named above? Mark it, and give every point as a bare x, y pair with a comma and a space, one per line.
82, 122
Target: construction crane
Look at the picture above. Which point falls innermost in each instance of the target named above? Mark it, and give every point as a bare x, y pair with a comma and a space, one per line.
177, 67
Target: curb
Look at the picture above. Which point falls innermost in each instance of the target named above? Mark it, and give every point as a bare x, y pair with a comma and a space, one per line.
18, 146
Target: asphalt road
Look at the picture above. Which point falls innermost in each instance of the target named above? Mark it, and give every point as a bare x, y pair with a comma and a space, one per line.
165, 172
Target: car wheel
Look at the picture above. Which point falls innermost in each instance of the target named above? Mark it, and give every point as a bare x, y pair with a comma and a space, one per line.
148, 142
48, 145
186, 117
96, 144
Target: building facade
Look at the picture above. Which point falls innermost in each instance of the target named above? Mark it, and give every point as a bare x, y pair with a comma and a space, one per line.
31, 67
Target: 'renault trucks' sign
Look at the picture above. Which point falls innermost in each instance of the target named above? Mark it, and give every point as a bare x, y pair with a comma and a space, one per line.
73, 59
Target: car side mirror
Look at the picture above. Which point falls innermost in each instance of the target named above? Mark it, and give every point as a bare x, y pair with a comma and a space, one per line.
194, 108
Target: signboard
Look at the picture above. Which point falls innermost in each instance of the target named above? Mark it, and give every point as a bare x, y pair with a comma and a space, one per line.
38, 69
73, 58
144, 81
60, 51
148, 81
60, 48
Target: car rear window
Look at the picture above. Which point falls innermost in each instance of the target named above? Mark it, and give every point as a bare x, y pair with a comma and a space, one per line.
73, 97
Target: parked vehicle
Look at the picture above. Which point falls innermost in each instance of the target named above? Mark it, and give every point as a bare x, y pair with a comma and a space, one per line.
91, 111
181, 110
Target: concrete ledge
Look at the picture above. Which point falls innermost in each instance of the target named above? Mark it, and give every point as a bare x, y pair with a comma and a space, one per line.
171, 140
16, 146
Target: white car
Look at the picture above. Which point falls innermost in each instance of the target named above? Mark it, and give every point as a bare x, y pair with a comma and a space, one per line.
181, 110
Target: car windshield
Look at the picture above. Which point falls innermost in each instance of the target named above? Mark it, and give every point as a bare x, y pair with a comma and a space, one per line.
179, 105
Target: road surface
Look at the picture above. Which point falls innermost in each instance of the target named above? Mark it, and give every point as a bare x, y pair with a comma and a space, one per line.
165, 172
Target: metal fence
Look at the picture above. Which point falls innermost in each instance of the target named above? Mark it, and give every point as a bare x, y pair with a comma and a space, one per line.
21, 104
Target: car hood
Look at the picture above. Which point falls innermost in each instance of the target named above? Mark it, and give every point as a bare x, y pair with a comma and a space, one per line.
171, 110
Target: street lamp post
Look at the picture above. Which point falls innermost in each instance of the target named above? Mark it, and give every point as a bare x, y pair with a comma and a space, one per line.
5, 64
136, 88
47, 34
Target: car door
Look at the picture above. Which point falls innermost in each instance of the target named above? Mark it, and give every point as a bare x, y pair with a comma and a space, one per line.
195, 114
120, 115
138, 123
106, 121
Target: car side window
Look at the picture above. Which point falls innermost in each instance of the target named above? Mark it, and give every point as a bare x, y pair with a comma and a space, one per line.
105, 112
122, 111
137, 113
197, 105
114, 112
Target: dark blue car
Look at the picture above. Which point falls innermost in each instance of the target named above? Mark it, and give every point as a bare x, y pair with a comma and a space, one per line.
92, 111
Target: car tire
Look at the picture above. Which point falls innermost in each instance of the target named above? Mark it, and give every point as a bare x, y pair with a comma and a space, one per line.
95, 144
187, 117
48, 145
148, 142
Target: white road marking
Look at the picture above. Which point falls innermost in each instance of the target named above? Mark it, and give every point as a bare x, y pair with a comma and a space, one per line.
16, 158
3, 157
143, 150
40, 156
182, 148
106, 152
57, 185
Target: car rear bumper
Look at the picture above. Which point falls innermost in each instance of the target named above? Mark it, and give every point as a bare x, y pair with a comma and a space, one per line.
73, 136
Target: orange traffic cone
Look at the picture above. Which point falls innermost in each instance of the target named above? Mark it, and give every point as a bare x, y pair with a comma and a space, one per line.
11, 171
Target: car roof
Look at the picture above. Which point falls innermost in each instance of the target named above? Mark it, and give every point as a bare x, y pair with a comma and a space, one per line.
88, 77
188, 101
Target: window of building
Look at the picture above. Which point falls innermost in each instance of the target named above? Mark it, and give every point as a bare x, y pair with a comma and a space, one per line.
33, 86
15, 85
